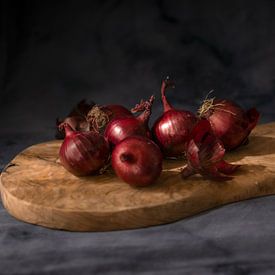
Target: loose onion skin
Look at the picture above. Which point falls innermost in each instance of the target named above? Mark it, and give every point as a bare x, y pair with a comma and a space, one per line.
205, 154
83, 153
137, 160
171, 130
229, 122
120, 128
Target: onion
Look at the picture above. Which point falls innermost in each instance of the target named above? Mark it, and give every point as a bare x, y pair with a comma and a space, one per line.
120, 128
77, 123
171, 130
205, 154
83, 153
76, 119
229, 122
100, 116
137, 160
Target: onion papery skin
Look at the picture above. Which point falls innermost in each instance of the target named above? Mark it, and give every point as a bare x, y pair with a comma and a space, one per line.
230, 123
83, 153
137, 160
205, 154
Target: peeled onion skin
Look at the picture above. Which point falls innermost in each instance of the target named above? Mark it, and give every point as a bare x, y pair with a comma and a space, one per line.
83, 153
171, 130
205, 154
137, 160
120, 128
230, 123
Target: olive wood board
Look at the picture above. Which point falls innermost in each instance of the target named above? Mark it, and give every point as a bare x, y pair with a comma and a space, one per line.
36, 189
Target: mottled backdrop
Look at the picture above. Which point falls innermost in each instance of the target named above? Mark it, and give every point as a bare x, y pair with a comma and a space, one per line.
54, 53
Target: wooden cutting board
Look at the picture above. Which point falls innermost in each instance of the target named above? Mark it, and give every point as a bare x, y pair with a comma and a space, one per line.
36, 189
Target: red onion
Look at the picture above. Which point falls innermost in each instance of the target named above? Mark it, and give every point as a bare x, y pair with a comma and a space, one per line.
229, 122
77, 123
120, 128
137, 160
76, 119
83, 153
205, 154
100, 116
171, 130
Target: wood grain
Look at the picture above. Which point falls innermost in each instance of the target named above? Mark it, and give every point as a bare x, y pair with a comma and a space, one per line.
36, 189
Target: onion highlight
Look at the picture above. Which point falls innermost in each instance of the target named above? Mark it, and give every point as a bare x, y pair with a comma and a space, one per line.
171, 130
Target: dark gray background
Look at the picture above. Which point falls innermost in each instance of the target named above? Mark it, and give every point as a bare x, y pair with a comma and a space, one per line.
54, 54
